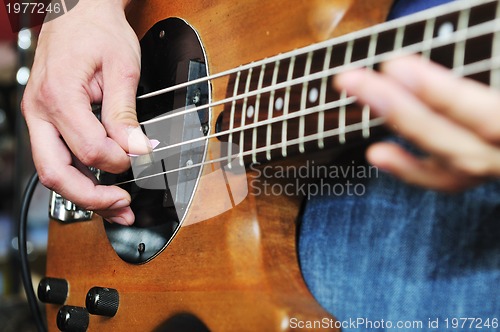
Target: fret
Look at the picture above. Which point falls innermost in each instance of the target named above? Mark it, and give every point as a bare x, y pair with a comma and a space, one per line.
398, 41
495, 52
459, 54
286, 107
343, 96
430, 24
231, 120
244, 112
271, 108
342, 117
365, 121
256, 113
322, 98
365, 113
303, 100
348, 52
372, 49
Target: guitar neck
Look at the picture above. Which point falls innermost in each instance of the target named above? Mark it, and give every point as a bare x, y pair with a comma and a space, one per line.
285, 105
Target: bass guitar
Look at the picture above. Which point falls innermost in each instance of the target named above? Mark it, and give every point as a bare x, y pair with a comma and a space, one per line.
228, 87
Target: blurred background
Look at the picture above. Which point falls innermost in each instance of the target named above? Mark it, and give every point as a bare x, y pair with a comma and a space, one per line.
16, 54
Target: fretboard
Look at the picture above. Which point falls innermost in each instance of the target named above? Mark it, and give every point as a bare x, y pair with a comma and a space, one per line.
285, 105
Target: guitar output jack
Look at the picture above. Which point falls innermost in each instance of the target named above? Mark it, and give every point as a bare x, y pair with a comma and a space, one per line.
141, 248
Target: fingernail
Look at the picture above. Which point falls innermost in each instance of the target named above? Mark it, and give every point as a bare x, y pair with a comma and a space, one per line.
363, 85
349, 80
153, 142
405, 70
120, 204
118, 220
138, 143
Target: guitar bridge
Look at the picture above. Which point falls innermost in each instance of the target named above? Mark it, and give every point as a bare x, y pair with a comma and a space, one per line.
66, 211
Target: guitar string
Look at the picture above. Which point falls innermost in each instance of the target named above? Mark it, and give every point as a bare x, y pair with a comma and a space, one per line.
465, 70
463, 35
478, 67
313, 137
425, 15
470, 69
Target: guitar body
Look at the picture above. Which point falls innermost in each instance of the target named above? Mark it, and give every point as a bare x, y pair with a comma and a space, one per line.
237, 271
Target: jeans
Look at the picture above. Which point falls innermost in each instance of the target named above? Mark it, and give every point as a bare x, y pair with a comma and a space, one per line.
402, 253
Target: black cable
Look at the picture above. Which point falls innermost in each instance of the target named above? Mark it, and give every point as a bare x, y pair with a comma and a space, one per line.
23, 254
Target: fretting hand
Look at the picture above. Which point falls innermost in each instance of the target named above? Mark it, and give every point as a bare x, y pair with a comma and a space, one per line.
456, 121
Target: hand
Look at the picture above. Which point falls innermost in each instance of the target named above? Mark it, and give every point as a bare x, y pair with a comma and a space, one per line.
88, 55
455, 120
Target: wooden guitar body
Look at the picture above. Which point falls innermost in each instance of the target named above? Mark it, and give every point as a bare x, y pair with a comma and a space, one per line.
237, 271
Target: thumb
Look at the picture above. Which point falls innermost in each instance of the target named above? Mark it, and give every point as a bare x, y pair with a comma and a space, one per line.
119, 115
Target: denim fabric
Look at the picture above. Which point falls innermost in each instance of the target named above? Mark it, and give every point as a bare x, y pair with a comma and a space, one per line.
400, 253
406, 7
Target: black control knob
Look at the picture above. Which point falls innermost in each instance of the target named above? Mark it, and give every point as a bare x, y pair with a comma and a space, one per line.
72, 319
102, 301
53, 290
